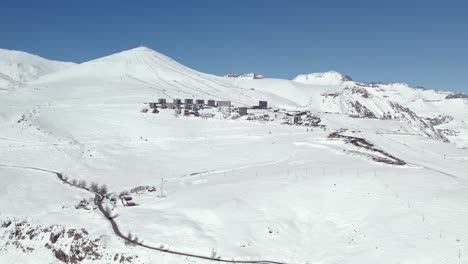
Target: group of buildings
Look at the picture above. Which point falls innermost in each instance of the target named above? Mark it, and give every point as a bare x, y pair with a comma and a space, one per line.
192, 106
197, 104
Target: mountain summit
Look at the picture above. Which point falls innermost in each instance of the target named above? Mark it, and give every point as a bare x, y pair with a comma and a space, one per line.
323, 78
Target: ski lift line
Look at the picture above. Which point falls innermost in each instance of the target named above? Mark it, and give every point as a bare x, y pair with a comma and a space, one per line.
204, 91
200, 81
183, 73
452, 176
155, 71
197, 80
151, 86
152, 69
216, 96
430, 152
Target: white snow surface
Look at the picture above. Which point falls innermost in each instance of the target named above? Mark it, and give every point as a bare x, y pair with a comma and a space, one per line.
242, 189
17, 68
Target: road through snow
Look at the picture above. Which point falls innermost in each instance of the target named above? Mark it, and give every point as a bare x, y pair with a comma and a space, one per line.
117, 232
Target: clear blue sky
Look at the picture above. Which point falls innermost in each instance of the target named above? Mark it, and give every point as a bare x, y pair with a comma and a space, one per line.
418, 42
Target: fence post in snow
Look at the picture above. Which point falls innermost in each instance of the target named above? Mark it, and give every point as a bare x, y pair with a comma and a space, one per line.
162, 183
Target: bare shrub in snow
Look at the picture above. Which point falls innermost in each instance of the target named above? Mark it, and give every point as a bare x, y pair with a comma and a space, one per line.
138, 189
214, 254
132, 239
103, 190
94, 187
82, 183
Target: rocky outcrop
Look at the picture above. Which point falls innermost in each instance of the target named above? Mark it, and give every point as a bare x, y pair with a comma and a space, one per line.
439, 120
251, 76
67, 245
456, 96
404, 113
371, 151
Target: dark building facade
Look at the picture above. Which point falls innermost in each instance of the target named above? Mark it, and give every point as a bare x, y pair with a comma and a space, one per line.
242, 111
212, 103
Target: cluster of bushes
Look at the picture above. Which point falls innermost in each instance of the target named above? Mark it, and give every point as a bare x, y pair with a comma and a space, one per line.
139, 189
132, 239
94, 187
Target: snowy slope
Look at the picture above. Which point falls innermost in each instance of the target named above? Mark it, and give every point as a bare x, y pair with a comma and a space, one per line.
149, 75
233, 188
17, 68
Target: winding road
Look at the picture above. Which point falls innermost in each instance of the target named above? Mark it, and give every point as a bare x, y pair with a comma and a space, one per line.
115, 228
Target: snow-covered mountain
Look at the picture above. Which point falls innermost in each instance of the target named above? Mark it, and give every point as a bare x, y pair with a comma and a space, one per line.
323, 78
151, 75
251, 76
369, 172
17, 68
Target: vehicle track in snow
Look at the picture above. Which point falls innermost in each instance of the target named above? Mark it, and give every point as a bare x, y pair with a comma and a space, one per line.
115, 228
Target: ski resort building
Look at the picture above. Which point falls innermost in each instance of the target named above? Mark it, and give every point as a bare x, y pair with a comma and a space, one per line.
172, 106
195, 105
211, 103
296, 119
177, 101
242, 111
224, 103
224, 106
261, 105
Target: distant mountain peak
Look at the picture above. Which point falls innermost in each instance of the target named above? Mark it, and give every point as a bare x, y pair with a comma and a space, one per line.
139, 56
323, 78
142, 48
130, 53
18, 67
252, 75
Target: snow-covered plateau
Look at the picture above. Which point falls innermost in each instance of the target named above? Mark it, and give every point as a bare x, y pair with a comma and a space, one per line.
94, 169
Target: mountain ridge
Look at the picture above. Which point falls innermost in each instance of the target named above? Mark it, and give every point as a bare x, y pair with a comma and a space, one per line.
17, 68
147, 74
